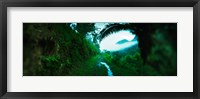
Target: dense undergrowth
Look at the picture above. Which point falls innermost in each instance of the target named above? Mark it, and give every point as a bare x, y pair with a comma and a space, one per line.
55, 49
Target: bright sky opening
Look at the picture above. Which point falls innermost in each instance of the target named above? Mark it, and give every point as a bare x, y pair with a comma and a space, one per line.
109, 43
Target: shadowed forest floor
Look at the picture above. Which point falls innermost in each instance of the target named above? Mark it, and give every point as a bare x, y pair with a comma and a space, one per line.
91, 67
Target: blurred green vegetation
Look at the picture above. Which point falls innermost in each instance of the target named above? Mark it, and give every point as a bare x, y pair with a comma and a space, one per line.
55, 49
162, 59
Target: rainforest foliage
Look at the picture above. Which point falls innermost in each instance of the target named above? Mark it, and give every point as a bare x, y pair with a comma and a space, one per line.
54, 49
59, 49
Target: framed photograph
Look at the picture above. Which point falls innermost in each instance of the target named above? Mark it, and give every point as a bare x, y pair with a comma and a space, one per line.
146, 49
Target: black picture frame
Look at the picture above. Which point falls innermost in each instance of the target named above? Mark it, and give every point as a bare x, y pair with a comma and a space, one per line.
99, 3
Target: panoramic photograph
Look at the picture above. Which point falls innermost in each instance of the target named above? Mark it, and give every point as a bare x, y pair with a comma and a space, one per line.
100, 49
